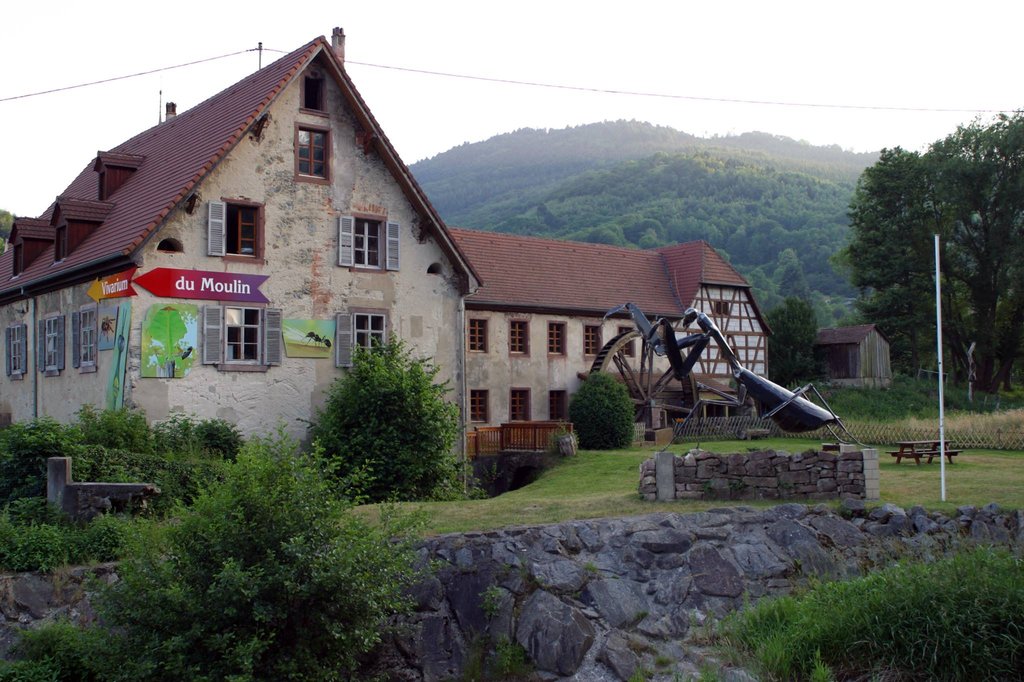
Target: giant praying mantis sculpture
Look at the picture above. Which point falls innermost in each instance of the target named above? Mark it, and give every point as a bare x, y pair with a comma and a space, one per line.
789, 409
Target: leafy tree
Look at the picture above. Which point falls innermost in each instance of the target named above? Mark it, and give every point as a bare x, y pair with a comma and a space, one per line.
6, 221
969, 189
790, 276
387, 428
791, 345
268, 576
602, 413
890, 254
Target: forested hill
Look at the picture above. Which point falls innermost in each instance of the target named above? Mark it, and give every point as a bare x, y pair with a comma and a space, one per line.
776, 207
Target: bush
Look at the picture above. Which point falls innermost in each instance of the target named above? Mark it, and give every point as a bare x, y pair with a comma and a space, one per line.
268, 576
24, 449
118, 429
180, 480
45, 546
183, 435
387, 428
602, 413
956, 619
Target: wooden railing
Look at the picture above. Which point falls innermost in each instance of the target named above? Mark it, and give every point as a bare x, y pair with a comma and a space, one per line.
529, 436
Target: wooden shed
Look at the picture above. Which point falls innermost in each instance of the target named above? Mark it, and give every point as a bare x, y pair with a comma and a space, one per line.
856, 356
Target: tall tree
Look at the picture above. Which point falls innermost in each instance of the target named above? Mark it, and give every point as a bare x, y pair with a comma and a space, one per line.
791, 345
969, 189
889, 254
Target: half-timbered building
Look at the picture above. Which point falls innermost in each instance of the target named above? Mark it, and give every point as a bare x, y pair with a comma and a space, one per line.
536, 326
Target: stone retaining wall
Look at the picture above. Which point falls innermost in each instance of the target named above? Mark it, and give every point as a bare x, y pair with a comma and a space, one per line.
762, 475
599, 600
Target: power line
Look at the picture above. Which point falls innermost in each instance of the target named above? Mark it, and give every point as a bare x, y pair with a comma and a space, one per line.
536, 84
724, 100
131, 75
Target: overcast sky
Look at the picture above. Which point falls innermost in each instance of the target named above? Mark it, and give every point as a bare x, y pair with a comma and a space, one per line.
714, 59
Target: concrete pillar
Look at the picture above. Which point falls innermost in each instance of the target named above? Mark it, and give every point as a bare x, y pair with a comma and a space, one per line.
665, 475
872, 480
58, 475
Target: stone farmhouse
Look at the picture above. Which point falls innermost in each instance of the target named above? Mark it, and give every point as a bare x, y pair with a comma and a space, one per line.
535, 328
226, 262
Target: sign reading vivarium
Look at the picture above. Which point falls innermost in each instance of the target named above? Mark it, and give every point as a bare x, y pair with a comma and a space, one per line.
210, 286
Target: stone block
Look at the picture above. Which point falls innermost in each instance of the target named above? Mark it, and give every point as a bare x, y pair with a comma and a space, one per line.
664, 465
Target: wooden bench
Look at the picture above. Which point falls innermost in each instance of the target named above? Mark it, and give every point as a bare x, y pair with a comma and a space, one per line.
916, 453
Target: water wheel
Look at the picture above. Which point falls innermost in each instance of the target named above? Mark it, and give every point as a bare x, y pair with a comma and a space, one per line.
658, 398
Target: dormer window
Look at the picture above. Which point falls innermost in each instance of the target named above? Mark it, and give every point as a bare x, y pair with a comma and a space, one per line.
60, 244
313, 92
19, 258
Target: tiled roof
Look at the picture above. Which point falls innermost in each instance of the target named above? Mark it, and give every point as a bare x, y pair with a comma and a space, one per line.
841, 335
691, 263
84, 209
31, 228
536, 273
177, 154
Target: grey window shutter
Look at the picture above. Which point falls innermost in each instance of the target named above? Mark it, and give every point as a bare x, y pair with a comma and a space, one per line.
24, 348
272, 336
76, 339
343, 340
213, 325
41, 345
394, 243
346, 226
7, 349
215, 228
60, 343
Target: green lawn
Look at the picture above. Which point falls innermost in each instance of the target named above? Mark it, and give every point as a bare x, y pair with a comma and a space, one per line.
600, 484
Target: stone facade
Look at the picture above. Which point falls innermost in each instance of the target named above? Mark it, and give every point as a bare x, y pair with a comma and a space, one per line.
415, 288
763, 475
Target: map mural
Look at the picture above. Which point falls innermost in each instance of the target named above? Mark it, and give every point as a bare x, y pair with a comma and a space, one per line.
169, 340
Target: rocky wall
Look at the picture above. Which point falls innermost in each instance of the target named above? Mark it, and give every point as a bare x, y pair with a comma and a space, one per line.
596, 600
761, 475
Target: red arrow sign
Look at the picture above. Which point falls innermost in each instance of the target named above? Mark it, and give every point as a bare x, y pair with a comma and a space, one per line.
210, 286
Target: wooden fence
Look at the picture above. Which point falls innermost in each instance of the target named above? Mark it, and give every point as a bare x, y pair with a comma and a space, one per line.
729, 428
528, 436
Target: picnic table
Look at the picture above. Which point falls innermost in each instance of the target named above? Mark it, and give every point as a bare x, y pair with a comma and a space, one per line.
916, 449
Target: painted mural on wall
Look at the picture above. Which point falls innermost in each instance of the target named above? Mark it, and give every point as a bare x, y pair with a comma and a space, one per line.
308, 338
170, 335
119, 364
107, 315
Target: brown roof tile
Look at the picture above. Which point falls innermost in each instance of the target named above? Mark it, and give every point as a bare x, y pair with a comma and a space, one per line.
84, 209
31, 228
177, 154
533, 272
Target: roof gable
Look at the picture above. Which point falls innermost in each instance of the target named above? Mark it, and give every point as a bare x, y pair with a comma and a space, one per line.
171, 159
845, 335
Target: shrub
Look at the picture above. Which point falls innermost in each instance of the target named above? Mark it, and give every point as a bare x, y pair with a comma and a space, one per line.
387, 428
268, 576
180, 480
183, 435
24, 449
960, 618
48, 545
119, 429
602, 413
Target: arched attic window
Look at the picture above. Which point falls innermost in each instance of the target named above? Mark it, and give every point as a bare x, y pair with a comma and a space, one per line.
170, 245
434, 269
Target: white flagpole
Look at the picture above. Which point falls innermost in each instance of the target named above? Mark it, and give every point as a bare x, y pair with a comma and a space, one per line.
942, 408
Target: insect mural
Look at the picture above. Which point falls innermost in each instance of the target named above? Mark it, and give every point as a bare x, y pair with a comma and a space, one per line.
107, 315
308, 338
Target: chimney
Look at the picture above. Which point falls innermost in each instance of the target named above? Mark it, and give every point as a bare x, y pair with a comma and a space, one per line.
338, 43
170, 111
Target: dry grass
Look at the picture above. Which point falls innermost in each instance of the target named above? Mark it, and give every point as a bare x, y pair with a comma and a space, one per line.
1006, 420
